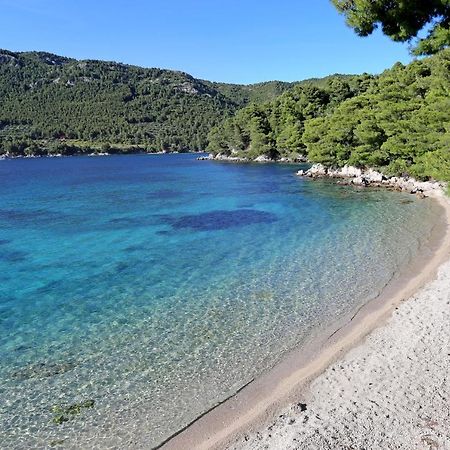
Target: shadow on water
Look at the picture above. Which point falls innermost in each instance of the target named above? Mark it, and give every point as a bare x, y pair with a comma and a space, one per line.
221, 219
12, 256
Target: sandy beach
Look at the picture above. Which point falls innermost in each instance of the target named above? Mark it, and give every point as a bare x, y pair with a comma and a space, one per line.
391, 392
379, 381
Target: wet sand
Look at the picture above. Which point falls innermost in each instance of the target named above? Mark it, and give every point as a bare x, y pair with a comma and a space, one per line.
376, 380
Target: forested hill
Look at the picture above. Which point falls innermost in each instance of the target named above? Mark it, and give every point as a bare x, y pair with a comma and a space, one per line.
398, 122
50, 103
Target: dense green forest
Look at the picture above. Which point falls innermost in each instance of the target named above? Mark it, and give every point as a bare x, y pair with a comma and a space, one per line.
276, 128
53, 104
398, 122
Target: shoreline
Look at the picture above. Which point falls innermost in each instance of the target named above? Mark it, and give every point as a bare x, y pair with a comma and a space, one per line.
354, 176
259, 159
259, 402
4, 157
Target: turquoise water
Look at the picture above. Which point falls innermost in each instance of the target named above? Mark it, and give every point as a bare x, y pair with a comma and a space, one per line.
157, 286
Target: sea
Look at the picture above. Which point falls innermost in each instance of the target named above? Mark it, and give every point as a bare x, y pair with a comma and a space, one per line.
137, 292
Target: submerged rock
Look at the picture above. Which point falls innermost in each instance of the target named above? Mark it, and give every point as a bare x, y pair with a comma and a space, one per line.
43, 370
66, 413
221, 219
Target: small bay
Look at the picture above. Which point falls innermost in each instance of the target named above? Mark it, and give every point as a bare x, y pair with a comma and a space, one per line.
138, 291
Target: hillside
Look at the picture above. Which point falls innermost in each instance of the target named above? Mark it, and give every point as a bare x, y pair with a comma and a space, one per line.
55, 104
275, 129
398, 122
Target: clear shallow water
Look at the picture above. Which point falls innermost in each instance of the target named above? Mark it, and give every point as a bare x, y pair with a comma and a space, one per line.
158, 285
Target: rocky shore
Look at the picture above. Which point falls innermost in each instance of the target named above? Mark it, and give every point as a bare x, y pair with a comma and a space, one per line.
347, 175
350, 175
258, 159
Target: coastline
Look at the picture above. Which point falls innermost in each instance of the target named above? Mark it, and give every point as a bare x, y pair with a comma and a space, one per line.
259, 159
259, 402
5, 157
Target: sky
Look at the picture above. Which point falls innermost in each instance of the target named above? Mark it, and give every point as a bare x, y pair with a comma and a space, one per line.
237, 41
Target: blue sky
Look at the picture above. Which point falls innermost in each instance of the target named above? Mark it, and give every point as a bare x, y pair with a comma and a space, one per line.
240, 41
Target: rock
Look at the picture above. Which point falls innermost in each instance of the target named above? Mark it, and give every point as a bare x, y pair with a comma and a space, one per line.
66, 413
351, 175
59, 419
373, 176
222, 157
350, 171
317, 170
205, 158
43, 370
302, 406
262, 158
360, 181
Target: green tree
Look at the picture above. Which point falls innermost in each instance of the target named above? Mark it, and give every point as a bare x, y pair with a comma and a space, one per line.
132, 108
401, 20
401, 124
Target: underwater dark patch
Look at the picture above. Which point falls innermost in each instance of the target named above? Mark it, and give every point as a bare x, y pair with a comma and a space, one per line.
49, 287
13, 256
122, 267
130, 222
27, 218
132, 249
221, 220
38, 214
43, 370
164, 193
122, 220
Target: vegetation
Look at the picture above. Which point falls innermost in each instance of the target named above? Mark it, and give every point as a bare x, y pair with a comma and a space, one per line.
276, 128
401, 20
398, 122
56, 105
401, 124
